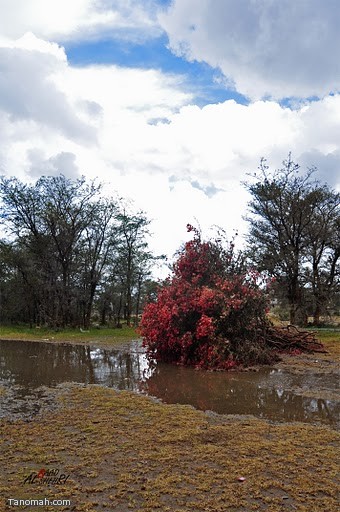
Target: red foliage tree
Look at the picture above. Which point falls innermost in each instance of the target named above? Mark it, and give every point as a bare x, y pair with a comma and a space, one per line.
211, 313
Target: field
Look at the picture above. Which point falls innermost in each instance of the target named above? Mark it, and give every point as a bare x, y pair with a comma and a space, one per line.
104, 334
122, 452
125, 452
99, 336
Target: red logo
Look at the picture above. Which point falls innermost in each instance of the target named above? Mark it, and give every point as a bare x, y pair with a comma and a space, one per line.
41, 473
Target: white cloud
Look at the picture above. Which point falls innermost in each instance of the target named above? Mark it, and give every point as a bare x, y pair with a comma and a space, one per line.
65, 20
95, 121
63, 162
328, 165
265, 49
31, 42
28, 92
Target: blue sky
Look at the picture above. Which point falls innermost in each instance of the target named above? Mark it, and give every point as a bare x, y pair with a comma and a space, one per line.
170, 103
199, 77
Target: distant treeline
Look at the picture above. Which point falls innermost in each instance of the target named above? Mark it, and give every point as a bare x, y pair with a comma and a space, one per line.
71, 255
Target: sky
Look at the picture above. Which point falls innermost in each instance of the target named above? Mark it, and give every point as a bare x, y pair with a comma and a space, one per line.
170, 103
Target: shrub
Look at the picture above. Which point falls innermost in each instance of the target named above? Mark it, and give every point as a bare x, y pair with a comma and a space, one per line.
211, 313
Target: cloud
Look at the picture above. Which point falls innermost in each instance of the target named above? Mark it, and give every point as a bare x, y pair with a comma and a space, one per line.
159, 120
140, 130
97, 113
144, 122
327, 165
28, 92
208, 190
61, 163
65, 20
264, 48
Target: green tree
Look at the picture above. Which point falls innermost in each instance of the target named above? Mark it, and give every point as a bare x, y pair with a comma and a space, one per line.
132, 251
99, 240
66, 245
292, 234
321, 272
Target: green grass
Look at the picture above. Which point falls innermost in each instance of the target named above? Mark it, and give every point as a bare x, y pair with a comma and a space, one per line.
107, 335
325, 335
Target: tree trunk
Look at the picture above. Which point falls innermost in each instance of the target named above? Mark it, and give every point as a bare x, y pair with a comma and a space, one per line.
103, 315
119, 311
138, 301
89, 304
316, 315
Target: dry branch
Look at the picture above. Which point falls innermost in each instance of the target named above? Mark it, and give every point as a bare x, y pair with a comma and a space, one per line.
290, 338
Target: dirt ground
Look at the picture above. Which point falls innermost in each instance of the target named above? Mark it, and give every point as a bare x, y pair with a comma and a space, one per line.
120, 451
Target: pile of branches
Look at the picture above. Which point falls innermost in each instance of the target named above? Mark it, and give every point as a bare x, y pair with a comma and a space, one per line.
291, 339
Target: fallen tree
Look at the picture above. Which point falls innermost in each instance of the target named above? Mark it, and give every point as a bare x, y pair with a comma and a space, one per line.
290, 338
212, 313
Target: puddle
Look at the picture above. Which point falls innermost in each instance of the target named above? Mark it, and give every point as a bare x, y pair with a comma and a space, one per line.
28, 369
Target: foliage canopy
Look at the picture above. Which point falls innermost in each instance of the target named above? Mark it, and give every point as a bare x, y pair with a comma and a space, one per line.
70, 251
294, 236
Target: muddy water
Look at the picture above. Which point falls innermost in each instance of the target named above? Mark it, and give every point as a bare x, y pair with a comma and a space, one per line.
28, 369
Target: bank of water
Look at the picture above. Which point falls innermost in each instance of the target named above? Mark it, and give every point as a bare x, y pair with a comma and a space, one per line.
29, 369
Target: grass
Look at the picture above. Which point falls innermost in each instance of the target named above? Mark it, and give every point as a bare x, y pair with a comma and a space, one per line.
102, 335
317, 363
126, 452
325, 335
105, 334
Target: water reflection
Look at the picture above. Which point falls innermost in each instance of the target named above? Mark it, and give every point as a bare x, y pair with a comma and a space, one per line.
33, 364
269, 393
266, 394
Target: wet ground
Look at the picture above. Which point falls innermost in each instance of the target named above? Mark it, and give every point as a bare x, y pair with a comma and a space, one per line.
299, 389
123, 451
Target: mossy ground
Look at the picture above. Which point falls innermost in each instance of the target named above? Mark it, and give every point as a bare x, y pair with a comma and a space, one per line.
327, 362
127, 452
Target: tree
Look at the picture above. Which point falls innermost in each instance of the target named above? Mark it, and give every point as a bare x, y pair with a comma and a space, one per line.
47, 221
69, 250
292, 234
68, 210
17, 298
64, 239
99, 240
321, 272
132, 250
210, 313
